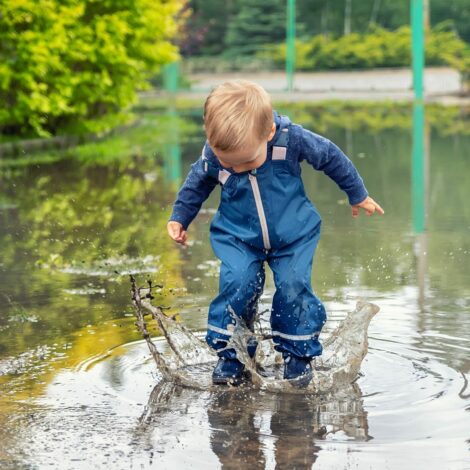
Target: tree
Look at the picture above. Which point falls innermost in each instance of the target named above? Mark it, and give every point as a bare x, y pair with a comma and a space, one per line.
239, 21
69, 63
342, 16
207, 26
257, 23
458, 11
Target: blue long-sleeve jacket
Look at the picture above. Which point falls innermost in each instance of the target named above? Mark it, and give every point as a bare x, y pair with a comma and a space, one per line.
303, 144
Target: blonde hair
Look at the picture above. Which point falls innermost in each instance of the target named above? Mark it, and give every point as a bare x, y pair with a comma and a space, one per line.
237, 112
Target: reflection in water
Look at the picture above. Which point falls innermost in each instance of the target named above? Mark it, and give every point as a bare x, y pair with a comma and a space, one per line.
420, 166
96, 412
250, 429
420, 191
172, 152
281, 430
69, 232
421, 252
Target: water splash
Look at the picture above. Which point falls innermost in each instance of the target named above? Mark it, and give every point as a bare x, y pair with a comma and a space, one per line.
190, 360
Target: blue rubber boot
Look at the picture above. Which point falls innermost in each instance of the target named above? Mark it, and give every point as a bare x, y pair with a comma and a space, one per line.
228, 372
298, 370
231, 370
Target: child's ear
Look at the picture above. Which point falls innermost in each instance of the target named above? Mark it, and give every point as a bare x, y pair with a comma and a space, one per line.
273, 131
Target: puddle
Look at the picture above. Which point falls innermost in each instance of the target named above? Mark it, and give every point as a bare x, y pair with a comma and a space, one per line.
71, 231
117, 410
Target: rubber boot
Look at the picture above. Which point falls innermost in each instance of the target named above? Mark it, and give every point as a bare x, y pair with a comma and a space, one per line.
298, 370
232, 371
228, 372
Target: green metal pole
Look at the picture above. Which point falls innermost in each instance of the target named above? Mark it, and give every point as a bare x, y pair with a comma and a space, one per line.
418, 169
417, 27
172, 156
174, 164
290, 44
418, 151
171, 77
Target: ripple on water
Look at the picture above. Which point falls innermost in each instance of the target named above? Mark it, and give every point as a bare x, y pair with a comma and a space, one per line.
114, 409
121, 394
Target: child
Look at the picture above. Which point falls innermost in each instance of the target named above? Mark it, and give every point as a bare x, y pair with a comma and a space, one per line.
264, 215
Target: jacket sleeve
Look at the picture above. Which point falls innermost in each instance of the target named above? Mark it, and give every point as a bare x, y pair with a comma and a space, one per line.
326, 156
194, 191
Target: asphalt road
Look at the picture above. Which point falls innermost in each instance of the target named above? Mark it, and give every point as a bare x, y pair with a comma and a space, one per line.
441, 84
437, 80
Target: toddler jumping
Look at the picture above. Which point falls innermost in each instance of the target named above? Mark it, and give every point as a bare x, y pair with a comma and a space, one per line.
254, 154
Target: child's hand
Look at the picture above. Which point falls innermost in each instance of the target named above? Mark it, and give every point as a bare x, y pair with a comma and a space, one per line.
176, 231
369, 205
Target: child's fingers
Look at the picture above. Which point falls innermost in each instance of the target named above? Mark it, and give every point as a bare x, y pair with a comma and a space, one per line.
175, 230
183, 241
369, 205
379, 209
182, 238
376, 206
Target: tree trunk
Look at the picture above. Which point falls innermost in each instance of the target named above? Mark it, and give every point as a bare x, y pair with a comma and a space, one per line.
347, 16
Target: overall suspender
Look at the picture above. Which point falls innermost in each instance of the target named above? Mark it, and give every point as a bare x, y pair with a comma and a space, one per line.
220, 175
280, 147
279, 153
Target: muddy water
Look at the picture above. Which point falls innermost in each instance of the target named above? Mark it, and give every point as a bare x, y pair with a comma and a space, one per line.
79, 389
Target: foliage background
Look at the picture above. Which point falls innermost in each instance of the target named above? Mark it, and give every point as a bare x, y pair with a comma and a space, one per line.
377, 48
209, 30
75, 66
64, 65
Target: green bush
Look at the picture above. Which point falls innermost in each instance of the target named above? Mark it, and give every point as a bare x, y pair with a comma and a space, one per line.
67, 64
377, 48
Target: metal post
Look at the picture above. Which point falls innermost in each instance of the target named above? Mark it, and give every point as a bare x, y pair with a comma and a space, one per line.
171, 77
421, 146
290, 44
417, 46
172, 157
174, 164
418, 167
172, 149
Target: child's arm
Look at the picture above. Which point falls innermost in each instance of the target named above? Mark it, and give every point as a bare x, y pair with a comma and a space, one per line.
326, 156
194, 191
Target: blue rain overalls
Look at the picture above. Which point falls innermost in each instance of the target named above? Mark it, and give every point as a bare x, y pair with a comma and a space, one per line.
265, 216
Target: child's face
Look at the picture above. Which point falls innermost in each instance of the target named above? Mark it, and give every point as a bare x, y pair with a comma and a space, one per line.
248, 158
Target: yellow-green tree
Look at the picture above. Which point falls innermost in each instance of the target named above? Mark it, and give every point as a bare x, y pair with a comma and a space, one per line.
66, 64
